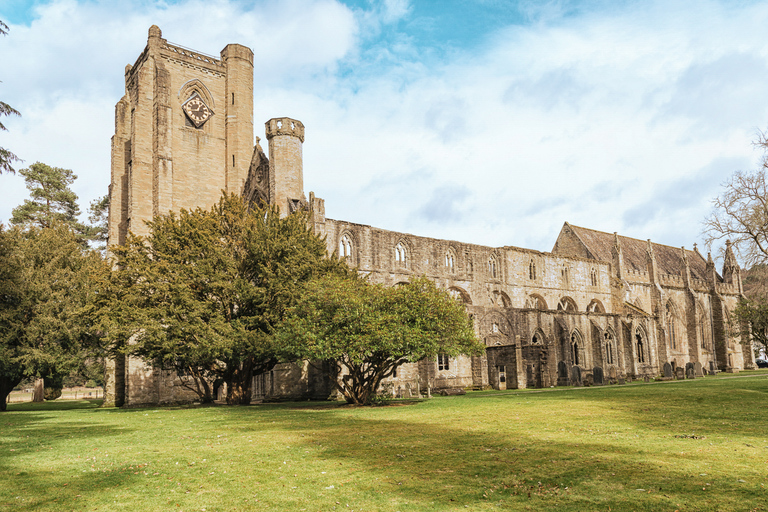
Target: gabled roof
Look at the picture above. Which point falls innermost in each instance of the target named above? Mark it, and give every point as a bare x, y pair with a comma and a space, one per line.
599, 244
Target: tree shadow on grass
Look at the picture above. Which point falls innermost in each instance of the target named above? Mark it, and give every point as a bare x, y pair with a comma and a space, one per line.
438, 465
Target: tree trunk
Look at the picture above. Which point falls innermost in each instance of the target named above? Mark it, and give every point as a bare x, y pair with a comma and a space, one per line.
239, 385
38, 395
6, 386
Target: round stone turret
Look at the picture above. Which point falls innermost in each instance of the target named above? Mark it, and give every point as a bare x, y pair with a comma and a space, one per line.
286, 168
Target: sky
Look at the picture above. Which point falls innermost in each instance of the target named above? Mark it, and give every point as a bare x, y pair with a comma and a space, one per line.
483, 121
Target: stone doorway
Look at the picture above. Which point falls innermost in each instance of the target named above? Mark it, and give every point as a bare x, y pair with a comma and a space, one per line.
501, 367
502, 371
533, 361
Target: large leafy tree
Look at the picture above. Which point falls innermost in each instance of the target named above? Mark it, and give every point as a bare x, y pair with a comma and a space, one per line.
6, 157
46, 281
368, 330
203, 293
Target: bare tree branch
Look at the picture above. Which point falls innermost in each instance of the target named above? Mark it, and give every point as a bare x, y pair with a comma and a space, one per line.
740, 213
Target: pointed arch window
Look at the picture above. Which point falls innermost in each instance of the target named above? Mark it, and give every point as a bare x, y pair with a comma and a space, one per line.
640, 341
450, 261
703, 331
567, 304
565, 274
401, 254
345, 246
610, 348
593, 277
576, 348
671, 326
532, 270
492, 266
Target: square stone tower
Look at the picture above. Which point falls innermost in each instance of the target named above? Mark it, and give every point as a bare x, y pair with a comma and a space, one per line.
183, 132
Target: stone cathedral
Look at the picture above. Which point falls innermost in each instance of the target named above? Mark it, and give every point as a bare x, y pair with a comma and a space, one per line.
599, 308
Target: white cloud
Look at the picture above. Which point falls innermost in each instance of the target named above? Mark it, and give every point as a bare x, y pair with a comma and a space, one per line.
618, 119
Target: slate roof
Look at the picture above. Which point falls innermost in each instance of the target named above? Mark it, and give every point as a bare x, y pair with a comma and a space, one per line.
668, 259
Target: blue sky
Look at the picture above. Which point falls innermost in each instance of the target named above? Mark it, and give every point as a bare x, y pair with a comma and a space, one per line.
486, 121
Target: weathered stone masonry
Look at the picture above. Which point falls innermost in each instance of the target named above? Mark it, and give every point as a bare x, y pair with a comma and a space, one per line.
598, 308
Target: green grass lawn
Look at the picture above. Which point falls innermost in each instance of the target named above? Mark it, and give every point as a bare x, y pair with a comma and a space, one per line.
692, 445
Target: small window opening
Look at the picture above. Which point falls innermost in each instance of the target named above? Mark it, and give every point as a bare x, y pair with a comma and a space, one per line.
233, 160
345, 246
400, 253
609, 348
492, 266
575, 349
233, 98
443, 362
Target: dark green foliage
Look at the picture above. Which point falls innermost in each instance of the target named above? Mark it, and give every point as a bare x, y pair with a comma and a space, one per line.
46, 281
369, 330
51, 200
98, 216
203, 293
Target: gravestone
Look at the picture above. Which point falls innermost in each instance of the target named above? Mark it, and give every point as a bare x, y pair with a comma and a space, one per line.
562, 374
576, 376
612, 375
697, 369
667, 370
646, 379
689, 371
679, 373
621, 380
597, 375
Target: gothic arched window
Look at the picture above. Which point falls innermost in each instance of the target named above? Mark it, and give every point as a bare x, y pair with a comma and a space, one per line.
639, 339
671, 327
401, 254
576, 348
532, 270
449, 261
593, 277
492, 266
345, 246
610, 348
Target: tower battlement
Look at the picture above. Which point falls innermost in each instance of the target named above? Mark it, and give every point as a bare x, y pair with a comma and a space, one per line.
284, 126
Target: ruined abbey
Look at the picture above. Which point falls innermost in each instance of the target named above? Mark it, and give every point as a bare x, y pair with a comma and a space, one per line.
599, 308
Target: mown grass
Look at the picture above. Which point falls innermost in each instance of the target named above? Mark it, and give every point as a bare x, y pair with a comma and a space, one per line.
692, 445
